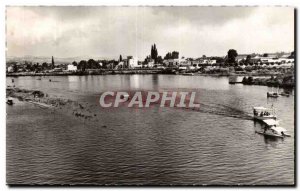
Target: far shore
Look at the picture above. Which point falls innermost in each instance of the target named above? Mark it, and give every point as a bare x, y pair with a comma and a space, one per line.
141, 71
255, 77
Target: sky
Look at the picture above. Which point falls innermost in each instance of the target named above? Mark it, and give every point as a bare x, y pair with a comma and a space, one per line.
108, 32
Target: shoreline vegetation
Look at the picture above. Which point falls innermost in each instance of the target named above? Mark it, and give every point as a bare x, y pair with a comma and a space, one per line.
278, 81
174, 71
256, 77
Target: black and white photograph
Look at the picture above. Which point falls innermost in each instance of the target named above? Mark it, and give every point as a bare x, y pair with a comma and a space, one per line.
150, 95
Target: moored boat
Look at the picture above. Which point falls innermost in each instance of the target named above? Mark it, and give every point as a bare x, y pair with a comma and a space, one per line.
272, 94
272, 128
262, 113
9, 101
285, 94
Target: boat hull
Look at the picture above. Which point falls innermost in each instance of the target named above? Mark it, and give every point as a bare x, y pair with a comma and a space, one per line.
263, 117
269, 134
274, 95
284, 94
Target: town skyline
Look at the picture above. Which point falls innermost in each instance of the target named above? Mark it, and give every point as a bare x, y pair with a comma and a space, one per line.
86, 57
192, 31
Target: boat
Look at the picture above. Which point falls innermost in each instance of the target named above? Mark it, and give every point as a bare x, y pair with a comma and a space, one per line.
9, 101
272, 94
187, 74
272, 129
286, 94
262, 113
270, 135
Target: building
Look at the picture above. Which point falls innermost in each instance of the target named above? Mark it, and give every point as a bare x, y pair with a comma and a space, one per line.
267, 59
10, 69
241, 57
206, 61
121, 64
132, 62
150, 62
171, 62
71, 67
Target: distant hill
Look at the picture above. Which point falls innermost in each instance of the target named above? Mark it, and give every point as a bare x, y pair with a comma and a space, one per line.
57, 60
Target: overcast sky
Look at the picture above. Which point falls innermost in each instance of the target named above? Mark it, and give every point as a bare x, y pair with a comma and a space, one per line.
111, 31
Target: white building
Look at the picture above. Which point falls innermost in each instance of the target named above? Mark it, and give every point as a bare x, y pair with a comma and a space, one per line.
121, 64
151, 64
286, 60
133, 62
71, 67
208, 62
10, 69
267, 59
172, 62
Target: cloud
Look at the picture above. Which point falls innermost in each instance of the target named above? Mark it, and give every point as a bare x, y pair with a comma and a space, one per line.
110, 31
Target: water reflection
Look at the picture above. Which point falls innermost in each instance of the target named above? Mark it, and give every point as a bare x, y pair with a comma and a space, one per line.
273, 140
135, 82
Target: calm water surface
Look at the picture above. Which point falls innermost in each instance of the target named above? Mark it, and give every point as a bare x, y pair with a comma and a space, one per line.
157, 146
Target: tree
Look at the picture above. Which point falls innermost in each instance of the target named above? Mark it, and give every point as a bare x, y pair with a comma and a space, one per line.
219, 60
265, 55
159, 60
92, 64
154, 53
44, 66
52, 62
120, 58
151, 53
248, 60
29, 67
231, 55
175, 55
36, 67
74, 63
292, 55
82, 65
15, 68
172, 55
168, 56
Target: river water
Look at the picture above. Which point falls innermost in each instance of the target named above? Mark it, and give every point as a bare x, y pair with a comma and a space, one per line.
216, 145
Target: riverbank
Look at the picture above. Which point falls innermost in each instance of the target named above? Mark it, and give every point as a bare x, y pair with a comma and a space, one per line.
174, 71
278, 81
91, 72
271, 78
